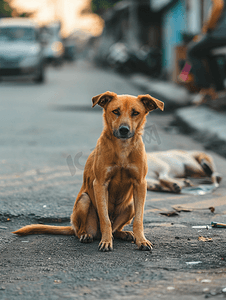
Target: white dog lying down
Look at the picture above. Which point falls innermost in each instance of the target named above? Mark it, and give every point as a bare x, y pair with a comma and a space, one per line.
168, 170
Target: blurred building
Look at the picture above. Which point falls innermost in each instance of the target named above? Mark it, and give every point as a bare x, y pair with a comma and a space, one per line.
180, 20
132, 23
166, 25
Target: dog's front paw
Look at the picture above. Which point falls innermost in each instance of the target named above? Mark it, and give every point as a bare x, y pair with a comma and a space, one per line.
144, 245
124, 235
105, 246
86, 238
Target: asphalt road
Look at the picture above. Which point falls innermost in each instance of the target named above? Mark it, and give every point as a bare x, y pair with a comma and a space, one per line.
47, 134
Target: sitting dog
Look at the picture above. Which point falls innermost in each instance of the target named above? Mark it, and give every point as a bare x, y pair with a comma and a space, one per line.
167, 170
114, 180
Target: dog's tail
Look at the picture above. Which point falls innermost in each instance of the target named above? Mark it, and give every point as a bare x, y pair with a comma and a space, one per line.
45, 229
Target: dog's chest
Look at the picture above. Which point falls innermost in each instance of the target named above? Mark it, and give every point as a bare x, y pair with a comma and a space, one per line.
121, 183
121, 173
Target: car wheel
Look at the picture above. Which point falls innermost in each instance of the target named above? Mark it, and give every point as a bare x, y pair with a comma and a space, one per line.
41, 76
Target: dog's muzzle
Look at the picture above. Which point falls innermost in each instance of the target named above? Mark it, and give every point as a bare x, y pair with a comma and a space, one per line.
123, 132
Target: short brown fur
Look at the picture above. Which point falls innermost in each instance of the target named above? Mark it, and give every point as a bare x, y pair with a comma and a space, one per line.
169, 170
114, 180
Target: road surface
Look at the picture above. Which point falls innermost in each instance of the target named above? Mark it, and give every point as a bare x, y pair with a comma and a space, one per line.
47, 133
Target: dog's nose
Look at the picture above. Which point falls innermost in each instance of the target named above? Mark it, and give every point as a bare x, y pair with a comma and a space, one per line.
124, 130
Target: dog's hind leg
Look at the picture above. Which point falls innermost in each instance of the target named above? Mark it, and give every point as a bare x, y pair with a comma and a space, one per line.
84, 219
210, 170
125, 217
155, 185
205, 165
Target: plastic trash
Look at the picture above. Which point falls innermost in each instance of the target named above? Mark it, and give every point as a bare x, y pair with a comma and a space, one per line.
218, 225
193, 262
201, 190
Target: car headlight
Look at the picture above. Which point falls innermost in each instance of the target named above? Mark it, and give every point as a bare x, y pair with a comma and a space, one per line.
30, 61
57, 47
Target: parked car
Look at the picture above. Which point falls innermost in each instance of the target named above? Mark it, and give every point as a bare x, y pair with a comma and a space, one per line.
21, 49
54, 48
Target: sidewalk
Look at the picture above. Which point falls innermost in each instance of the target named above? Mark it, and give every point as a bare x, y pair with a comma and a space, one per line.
206, 122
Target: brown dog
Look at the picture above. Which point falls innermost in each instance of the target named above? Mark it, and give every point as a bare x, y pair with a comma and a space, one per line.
167, 170
114, 181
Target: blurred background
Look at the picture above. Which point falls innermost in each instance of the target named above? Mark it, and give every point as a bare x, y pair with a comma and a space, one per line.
75, 49
147, 36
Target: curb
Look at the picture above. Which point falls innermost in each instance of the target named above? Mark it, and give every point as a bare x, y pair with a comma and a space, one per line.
173, 95
206, 126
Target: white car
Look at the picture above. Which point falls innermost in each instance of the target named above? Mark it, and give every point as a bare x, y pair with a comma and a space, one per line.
21, 49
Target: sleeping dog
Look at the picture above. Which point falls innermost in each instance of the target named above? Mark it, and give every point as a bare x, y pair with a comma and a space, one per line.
168, 170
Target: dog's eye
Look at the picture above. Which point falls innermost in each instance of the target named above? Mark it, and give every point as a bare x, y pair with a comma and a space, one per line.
135, 113
116, 112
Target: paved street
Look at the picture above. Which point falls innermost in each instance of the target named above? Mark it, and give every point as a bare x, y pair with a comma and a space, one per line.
47, 133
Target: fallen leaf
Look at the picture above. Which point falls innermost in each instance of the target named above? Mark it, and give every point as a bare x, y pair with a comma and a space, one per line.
212, 209
184, 209
181, 209
204, 239
169, 214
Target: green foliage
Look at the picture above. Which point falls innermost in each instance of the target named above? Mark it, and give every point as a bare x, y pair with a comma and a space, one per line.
5, 9
101, 5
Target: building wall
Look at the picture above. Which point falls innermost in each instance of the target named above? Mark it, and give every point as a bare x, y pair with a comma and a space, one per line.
173, 23
183, 16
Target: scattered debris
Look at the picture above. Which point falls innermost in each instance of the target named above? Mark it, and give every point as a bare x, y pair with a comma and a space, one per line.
169, 214
57, 281
202, 227
188, 209
170, 288
200, 190
218, 225
193, 262
206, 281
181, 209
205, 239
212, 209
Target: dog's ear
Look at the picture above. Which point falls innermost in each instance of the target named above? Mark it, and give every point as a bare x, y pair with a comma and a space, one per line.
150, 103
103, 99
